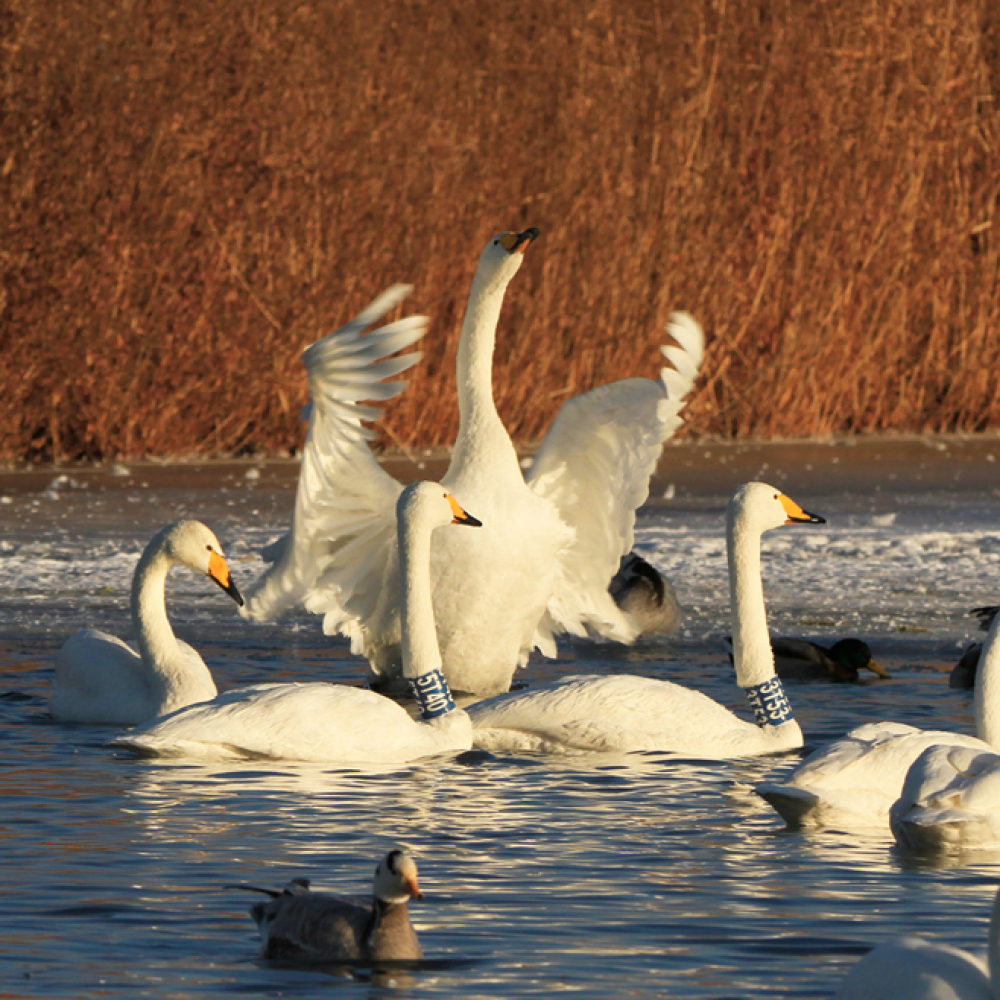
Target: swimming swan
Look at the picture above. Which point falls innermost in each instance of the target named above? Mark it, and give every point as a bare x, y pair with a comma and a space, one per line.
625, 712
912, 968
951, 795
551, 544
334, 722
854, 781
99, 679
297, 924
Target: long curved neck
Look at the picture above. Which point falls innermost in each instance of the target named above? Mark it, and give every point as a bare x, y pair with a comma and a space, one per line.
157, 644
987, 695
421, 654
482, 436
752, 653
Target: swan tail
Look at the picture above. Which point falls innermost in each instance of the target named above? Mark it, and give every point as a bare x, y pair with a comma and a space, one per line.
345, 503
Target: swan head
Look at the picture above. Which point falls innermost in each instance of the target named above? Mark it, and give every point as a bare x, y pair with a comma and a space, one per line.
758, 507
195, 545
396, 878
503, 255
432, 506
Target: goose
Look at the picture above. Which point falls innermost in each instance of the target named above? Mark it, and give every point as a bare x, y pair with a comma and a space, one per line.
299, 925
917, 969
552, 542
627, 713
323, 722
101, 680
647, 596
963, 675
855, 781
950, 797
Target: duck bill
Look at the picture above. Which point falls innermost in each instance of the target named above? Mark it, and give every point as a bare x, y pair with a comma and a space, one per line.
462, 516
796, 515
411, 884
878, 671
218, 570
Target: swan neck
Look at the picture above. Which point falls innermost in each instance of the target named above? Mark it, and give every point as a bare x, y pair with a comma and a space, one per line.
421, 654
987, 694
482, 436
157, 643
752, 653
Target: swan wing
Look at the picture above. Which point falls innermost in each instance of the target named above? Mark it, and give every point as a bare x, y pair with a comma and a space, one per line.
594, 467
339, 555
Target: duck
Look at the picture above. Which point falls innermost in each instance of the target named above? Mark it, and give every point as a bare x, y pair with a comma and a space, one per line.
647, 596
963, 674
299, 925
950, 798
800, 659
918, 969
100, 680
337, 723
624, 713
856, 781
554, 535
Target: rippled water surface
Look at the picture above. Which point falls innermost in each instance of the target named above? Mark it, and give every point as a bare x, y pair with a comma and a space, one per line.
639, 876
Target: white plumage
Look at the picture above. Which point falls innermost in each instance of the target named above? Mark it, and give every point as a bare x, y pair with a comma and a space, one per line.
625, 712
912, 968
333, 722
101, 680
854, 781
550, 545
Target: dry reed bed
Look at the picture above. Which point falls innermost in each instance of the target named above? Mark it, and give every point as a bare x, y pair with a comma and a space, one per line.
189, 197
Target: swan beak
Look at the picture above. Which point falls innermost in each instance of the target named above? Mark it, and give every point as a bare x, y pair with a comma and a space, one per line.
518, 242
796, 515
878, 671
218, 570
411, 884
461, 516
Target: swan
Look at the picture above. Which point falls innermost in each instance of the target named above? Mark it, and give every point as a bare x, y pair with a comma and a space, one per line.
916, 969
951, 795
626, 712
101, 680
334, 722
551, 544
297, 924
855, 781
647, 596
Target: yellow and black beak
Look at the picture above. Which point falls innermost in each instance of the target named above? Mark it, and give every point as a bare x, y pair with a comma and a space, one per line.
518, 242
796, 515
461, 517
218, 570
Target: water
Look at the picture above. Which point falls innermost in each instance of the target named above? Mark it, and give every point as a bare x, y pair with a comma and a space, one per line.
639, 875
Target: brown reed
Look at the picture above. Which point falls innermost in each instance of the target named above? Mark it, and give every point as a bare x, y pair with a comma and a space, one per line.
191, 195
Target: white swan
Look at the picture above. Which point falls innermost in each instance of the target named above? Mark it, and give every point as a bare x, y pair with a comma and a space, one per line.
626, 712
855, 781
334, 722
99, 679
300, 925
550, 546
912, 968
951, 795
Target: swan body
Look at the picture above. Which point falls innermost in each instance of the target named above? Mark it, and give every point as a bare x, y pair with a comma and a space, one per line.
648, 597
855, 781
334, 722
916, 969
640, 713
299, 925
101, 680
551, 543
